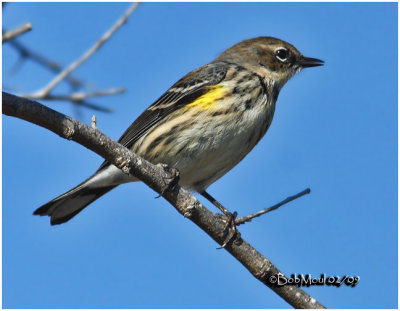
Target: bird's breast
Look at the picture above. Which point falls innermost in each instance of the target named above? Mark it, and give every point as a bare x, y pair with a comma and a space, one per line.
206, 143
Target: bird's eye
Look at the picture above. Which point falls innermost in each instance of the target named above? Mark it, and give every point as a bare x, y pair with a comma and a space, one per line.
282, 54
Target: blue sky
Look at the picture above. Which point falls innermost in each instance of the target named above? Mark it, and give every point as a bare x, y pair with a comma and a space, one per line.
334, 130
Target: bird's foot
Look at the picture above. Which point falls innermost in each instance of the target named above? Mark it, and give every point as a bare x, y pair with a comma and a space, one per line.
232, 234
170, 181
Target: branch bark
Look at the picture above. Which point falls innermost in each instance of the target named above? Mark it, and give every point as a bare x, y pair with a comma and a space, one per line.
9, 35
154, 176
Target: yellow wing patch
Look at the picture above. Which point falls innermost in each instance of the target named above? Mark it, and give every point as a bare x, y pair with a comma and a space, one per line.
209, 99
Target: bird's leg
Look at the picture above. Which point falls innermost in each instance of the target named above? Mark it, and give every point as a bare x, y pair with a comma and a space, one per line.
171, 181
230, 223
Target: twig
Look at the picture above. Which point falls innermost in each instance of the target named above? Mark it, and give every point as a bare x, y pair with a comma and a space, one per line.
154, 176
26, 52
242, 220
93, 123
16, 32
78, 96
62, 75
92, 106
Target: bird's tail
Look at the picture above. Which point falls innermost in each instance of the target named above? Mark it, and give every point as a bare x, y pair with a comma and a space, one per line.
67, 205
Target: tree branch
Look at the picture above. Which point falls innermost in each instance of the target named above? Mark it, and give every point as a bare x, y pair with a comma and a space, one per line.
242, 220
154, 176
9, 35
62, 75
26, 52
92, 106
79, 98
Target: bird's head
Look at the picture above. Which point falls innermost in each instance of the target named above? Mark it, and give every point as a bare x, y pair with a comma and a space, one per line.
273, 59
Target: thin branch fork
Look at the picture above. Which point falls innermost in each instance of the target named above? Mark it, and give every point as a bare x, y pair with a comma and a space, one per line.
78, 98
154, 176
9, 35
62, 75
53, 66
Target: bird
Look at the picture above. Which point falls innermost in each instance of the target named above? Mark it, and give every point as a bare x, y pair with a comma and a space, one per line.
203, 125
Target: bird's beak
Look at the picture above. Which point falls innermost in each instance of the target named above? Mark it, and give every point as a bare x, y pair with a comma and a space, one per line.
310, 62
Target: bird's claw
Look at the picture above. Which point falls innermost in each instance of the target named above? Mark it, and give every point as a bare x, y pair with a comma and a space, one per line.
171, 181
230, 227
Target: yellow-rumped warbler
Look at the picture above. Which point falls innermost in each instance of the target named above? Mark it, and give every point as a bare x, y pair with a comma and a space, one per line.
204, 125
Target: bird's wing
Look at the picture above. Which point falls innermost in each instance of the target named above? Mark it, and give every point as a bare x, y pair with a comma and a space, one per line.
183, 92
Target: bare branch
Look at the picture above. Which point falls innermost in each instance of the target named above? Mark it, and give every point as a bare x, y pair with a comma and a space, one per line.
26, 52
62, 75
92, 106
9, 35
242, 220
78, 96
154, 176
